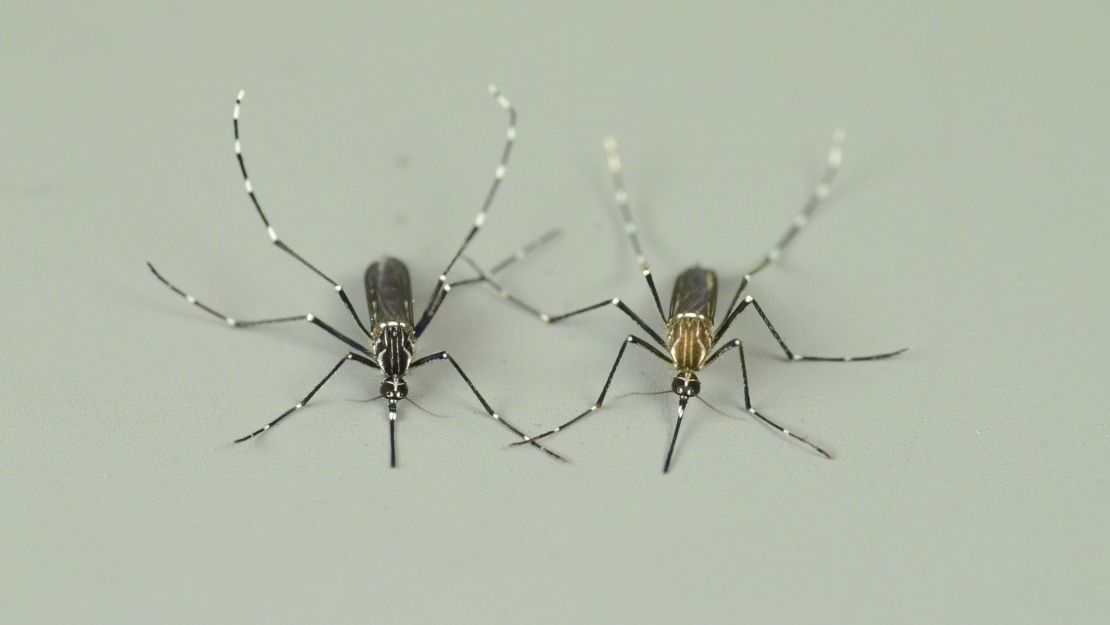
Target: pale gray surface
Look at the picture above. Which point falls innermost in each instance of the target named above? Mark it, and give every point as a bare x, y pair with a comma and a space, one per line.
970, 484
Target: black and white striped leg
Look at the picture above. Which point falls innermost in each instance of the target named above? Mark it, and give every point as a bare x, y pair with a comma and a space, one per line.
270, 229
244, 323
817, 196
674, 437
621, 195
524, 251
482, 400
484, 277
736, 298
349, 357
739, 346
520, 254
498, 176
546, 318
635, 340
750, 301
433, 308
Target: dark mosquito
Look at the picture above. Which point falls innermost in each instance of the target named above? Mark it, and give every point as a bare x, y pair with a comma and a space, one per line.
693, 342
393, 331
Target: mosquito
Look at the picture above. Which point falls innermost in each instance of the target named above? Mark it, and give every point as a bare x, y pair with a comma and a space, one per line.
692, 340
393, 330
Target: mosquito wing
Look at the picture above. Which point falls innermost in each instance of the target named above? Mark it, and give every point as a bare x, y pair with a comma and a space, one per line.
389, 292
695, 292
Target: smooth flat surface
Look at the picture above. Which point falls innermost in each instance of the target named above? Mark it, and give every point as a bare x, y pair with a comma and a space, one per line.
970, 221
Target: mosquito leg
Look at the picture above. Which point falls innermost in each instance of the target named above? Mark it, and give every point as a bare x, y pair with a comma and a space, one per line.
270, 229
546, 318
498, 176
521, 253
631, 339
739, 346
350, 356
736, 298
750, 301
616, 171
243, 323
482, 400
517, 256
817, 196
526, 250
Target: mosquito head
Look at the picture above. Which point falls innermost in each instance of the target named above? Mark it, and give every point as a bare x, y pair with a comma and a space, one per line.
686, 384
394, 388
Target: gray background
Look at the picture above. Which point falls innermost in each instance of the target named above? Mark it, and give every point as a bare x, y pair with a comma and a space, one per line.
969, 223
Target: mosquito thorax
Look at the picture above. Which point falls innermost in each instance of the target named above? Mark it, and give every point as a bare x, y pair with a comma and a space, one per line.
393, 344
686, 384
689, 339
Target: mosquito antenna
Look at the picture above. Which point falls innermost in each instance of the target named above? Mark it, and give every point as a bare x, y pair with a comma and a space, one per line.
662, 392
434, 414
365, 401
715, 409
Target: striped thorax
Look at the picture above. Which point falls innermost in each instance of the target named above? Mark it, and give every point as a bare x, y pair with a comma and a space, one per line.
689, 339
393, 344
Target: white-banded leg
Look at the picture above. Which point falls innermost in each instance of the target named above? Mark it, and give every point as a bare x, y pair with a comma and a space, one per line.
246, 323
516, 256
739, 346
498, 176
674, 437
270, 229
750, 301
546, 318
301, 404
482, 400
526, 250
520, 254
801, 220
631, 339
621, 195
